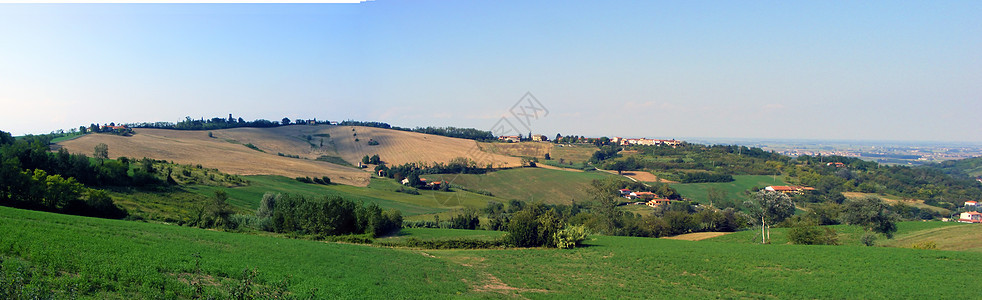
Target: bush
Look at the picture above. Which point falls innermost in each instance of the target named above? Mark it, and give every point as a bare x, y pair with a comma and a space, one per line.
809, 234
410, 191
868, 239
570, 237
930, 245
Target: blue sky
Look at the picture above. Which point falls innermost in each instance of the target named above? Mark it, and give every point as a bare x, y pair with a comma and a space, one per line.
753, 69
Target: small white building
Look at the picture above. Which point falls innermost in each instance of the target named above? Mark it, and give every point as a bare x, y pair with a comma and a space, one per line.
971, 217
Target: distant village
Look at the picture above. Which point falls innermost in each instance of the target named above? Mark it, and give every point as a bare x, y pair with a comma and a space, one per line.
613, 141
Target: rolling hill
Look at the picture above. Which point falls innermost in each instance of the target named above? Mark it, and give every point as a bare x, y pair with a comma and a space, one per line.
226, 149
62, 255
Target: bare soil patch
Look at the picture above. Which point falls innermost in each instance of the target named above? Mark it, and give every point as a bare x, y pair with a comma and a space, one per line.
697, 236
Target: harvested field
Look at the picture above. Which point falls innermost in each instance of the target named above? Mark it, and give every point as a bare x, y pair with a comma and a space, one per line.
195, 147
226, 151
394, 146
697, 236
529, 149
641, 176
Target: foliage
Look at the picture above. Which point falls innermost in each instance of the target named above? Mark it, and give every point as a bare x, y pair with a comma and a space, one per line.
699, 177
570, 237
101, 151
872, 214
465, 219
927, 245
253, 147
868, 239
805, 233
331, 216
769, 208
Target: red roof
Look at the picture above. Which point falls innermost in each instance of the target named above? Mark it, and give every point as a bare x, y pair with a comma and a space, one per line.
974, 213
972, 202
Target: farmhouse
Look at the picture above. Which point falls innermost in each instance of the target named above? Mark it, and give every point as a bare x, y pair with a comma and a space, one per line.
539, 138
797, 190
971, 204
836, 164
625, 192
509, 138
971, 217
659, 202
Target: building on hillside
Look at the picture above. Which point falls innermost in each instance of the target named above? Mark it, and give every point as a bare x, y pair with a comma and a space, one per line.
971, 217
971, 204
509, 138
836, 164
625, 192
659, 202
646, 195
796, 190
539, 138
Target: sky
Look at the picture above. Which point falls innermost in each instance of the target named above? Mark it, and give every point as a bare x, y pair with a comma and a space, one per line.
845, 70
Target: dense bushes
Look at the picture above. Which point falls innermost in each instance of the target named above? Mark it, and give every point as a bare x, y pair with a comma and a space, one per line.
700, 177
809, 234
325, 217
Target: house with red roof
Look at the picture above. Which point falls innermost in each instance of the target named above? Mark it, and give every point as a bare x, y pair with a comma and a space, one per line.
971, 204
971, 217
788, 189
659, 202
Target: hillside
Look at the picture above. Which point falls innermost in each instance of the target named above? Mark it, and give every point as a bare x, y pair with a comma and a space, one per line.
226, 150
530, 184
969, 167
99, 258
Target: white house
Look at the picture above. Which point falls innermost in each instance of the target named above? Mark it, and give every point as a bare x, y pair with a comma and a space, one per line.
971, 217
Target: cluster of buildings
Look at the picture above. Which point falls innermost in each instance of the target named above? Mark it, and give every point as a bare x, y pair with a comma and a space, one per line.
652, 199
516, 138
427, 183
789, 189
644, 142
971, 216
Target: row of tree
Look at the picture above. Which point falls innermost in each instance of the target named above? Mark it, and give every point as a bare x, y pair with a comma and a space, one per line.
32, 178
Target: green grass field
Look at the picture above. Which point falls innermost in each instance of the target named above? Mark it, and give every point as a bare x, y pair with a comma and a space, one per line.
530, 184
380, 191
441, 234
96, 258
732, 191
849, 235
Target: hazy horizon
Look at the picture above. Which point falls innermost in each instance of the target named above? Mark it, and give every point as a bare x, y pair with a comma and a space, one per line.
870, 71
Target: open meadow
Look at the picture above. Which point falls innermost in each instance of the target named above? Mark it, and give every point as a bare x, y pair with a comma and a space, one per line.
529, 184
731, 191
96, 258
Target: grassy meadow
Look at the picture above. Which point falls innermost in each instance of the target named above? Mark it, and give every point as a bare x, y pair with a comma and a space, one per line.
96, 258
530, 184
732, 191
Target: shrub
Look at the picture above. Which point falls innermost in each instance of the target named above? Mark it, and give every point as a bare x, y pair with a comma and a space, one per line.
809, 234
570, 237
407, 191
868, 239
305, 179
931, 245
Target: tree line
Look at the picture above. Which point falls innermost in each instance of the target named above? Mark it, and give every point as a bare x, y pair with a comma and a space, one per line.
33, 178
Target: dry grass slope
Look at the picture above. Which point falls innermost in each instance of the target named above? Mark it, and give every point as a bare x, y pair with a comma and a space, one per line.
226, 151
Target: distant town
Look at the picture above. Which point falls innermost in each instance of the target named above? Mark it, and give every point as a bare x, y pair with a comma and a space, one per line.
903, 153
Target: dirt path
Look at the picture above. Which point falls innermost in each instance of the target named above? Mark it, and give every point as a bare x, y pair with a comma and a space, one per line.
640, 176
545, 166
698, 236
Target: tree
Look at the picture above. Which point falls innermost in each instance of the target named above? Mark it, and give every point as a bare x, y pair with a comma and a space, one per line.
548, 157
374, 159
365, 160
101, 151
872, 214
770, 208
285, 121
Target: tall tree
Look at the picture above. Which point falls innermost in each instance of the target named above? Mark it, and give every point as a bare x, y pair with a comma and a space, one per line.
872, 214
285, 121
769, 208
101, 151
